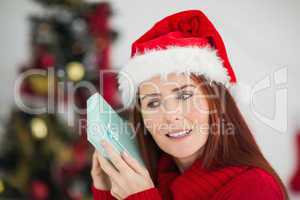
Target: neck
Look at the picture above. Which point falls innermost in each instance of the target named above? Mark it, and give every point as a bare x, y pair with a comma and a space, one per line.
184, 163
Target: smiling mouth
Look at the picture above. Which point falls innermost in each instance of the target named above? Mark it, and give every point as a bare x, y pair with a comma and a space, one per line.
179, 134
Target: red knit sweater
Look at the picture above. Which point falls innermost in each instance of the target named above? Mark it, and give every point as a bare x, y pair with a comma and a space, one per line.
230, 183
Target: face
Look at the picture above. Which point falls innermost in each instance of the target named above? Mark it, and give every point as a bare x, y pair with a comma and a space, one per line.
175, 112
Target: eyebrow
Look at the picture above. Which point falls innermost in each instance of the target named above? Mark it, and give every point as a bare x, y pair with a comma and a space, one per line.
173, 90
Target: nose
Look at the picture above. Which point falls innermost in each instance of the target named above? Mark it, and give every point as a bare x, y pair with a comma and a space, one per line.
172, 118
172, 115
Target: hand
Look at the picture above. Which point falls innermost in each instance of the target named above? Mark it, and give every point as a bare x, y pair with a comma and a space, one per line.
126, 174
100, 179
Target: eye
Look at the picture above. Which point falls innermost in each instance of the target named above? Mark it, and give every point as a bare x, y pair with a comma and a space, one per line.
185, 95
153, 104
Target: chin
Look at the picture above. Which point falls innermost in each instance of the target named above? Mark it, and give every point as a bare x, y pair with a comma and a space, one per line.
182, 152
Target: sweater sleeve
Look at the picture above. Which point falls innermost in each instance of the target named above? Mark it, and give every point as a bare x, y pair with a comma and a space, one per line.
254, 193
256, 185
101, 194
149, 194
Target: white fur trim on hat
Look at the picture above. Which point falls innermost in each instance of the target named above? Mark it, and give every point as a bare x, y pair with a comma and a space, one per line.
142, 67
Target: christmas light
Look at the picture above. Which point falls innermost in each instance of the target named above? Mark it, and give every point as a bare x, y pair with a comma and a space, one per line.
75, 71
38, 128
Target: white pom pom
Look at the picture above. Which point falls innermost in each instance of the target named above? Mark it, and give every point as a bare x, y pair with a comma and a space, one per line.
241, 92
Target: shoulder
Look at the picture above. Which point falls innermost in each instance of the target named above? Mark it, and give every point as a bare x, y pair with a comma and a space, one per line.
258, 175
254, 183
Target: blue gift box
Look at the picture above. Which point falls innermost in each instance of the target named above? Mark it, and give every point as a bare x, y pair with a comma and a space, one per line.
104, 123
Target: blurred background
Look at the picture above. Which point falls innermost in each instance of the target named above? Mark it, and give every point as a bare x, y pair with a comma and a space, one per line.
51, 53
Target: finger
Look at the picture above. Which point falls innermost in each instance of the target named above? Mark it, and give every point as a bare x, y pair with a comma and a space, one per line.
95, 164
107, 167
133, 163
115, 157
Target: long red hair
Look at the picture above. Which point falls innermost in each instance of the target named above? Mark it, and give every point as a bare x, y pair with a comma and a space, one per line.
221, 149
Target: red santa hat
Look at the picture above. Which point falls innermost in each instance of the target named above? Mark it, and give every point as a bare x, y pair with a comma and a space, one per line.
183, 42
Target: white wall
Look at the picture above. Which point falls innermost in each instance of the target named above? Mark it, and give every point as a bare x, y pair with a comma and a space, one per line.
14, 45
260, 36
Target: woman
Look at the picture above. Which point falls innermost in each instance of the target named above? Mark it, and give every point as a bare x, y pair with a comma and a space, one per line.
193, 138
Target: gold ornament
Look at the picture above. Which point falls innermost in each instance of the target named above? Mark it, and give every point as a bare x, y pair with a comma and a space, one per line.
2, 188
39, 84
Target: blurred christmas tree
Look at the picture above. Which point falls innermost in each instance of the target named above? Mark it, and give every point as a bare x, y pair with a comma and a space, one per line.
44, 153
